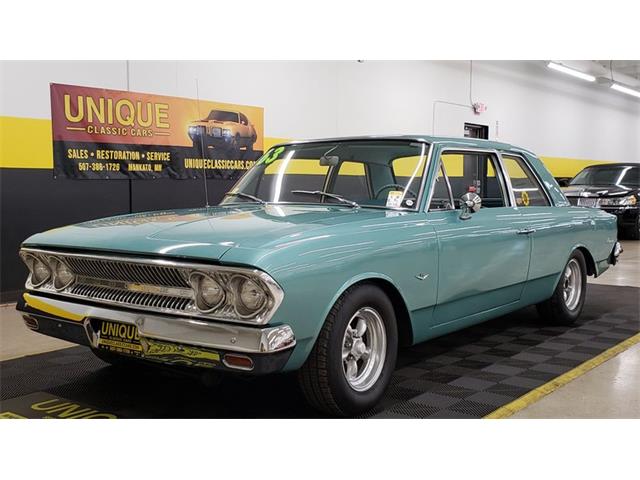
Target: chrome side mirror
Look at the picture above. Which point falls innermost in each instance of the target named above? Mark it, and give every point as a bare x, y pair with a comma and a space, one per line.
470, 203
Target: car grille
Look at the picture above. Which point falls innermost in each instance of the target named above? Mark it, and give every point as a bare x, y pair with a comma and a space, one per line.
128, 272
132, 298
154, 285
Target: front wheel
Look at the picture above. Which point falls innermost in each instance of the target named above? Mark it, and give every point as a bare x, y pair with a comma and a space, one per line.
355, 353
565, 306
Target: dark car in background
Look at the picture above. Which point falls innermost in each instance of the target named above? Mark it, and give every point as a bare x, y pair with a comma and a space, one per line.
615, 188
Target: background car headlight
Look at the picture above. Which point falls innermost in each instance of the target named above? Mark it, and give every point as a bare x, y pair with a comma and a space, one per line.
226, 132
63, 277
624, 201
209, 294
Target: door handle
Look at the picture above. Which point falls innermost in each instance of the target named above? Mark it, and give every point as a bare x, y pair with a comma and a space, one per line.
526, 231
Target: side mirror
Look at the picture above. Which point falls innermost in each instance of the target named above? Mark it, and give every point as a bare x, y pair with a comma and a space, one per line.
470, 203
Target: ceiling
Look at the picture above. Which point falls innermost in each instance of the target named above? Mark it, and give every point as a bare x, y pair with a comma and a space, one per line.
625, 67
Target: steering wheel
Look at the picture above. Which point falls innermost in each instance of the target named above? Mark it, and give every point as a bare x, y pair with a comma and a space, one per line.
398, 187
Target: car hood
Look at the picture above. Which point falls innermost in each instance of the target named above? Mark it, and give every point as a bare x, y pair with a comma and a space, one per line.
203, 233
596, 190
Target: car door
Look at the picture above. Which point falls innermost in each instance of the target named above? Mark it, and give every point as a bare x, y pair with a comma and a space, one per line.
483, 261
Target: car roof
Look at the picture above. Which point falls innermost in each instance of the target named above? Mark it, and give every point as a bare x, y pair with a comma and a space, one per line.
460, 142
612, 164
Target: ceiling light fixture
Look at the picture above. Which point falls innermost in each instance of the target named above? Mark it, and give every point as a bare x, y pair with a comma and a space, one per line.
628, 91
570, 71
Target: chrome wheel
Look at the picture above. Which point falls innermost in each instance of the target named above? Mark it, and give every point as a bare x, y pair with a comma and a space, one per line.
572, 284
364, 348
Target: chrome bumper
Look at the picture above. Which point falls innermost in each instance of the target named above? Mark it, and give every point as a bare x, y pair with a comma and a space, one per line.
210, 335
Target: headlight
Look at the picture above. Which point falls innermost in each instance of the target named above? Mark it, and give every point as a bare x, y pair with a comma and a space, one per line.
624, 201
226, 132
63, 277
252, 296
209, 294
39, 270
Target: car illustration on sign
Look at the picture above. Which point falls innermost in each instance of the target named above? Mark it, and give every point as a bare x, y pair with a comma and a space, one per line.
225, 130
324, 258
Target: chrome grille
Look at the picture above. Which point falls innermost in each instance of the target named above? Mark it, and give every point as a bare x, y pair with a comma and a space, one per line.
128, 272
140, 299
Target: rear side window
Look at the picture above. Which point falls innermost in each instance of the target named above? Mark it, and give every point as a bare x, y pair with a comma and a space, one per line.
526, 188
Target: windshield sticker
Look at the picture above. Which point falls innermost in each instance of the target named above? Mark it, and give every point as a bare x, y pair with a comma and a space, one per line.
271, 156
394, 199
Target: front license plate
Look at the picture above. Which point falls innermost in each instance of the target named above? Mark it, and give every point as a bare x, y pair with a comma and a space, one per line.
119, 338
587, 202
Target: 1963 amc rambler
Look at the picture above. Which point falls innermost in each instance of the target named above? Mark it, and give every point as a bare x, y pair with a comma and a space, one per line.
324, 258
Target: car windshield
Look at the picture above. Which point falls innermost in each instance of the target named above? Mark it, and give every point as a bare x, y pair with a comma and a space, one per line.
354, 173
222, 116
626, 176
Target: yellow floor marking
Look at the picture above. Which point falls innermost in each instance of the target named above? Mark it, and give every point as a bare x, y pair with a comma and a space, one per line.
543, 390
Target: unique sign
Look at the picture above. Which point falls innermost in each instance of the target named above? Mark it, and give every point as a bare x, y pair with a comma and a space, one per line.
45, 405
111, 134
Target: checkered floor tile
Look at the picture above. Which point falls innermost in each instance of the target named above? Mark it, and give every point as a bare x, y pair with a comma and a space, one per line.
467, 374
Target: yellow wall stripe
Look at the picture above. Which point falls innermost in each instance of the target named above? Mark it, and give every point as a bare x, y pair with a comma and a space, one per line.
26, 143
543, 390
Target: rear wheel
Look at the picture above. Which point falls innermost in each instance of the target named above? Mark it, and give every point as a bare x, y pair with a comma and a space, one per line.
354, 356
565, 306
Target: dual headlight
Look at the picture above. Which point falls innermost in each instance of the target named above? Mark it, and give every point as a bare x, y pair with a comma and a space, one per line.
629, 200
226, 132
249, 295
45, 268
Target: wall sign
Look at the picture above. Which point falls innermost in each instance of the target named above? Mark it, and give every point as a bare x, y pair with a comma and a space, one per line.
112, 134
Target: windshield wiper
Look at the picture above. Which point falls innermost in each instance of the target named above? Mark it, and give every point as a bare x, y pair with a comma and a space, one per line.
245, 195
330, 195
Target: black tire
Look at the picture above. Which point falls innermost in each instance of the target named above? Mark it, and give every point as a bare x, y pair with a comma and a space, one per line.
555, 309
322, 377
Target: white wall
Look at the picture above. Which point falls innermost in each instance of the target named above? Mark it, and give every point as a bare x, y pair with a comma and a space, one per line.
545, 111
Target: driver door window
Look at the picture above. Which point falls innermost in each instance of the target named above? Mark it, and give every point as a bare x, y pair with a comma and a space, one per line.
476, 173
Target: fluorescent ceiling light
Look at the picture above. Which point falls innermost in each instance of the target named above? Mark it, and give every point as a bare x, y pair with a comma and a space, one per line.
571, 71
628, 91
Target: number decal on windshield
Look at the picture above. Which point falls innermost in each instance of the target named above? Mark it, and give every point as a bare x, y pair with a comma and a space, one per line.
271, 156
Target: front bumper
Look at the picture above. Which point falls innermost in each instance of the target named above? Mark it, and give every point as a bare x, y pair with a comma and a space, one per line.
165, 339
627, 215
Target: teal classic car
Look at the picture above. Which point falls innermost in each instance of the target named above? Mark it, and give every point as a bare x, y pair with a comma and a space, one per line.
324, 258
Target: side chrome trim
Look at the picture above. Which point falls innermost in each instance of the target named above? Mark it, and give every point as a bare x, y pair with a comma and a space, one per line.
177, 330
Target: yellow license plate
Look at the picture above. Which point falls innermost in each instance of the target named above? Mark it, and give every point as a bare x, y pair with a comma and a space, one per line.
119, 338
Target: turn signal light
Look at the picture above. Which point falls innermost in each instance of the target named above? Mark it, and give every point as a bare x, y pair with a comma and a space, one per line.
241, 362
